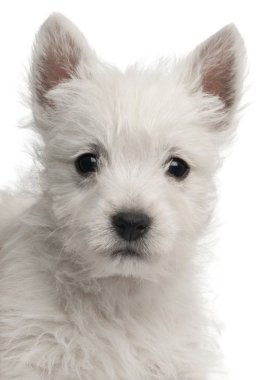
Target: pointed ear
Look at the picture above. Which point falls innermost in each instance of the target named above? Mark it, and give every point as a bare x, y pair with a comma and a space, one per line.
216, 67
60, 53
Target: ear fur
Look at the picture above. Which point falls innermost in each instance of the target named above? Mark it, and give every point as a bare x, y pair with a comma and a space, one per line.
216, 68
60, 53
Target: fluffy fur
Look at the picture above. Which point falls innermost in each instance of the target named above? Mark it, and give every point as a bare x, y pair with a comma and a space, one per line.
69, 308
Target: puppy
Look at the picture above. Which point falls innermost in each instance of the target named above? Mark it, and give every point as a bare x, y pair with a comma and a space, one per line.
100, 271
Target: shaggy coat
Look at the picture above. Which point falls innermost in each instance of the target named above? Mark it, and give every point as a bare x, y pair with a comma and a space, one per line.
78, 302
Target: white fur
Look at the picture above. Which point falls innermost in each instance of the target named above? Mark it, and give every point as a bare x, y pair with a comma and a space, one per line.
68, 310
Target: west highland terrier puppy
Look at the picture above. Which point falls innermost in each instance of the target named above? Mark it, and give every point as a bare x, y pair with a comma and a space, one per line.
100, 271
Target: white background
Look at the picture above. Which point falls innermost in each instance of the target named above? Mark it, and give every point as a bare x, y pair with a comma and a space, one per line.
125, 31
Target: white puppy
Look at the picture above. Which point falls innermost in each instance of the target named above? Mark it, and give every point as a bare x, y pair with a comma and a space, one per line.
100, 275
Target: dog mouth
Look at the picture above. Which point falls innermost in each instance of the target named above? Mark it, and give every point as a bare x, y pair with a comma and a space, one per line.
127, 252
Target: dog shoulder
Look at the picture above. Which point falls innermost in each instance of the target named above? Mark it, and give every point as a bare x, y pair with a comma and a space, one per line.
12, 205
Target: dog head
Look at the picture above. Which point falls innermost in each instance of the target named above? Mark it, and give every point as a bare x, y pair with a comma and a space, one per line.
129, 157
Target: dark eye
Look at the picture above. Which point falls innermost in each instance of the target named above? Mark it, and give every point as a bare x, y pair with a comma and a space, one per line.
178, 168
86, 163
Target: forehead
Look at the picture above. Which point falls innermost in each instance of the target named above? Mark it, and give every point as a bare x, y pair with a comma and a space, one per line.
137, 109
147, 99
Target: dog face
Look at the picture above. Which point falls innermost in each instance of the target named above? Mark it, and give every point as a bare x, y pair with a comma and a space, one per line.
129, 157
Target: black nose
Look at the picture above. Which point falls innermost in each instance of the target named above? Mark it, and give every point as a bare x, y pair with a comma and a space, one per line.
131, 225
